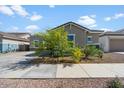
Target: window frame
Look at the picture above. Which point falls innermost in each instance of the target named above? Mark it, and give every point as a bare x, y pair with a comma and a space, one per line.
73, 36
91, 37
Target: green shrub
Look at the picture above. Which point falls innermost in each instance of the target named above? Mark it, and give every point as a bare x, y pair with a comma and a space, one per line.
90, 51
70, 44
100, 53
68, 52
77, 54
116, 83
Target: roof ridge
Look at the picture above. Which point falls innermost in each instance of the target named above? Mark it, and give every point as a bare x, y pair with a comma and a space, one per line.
77, 25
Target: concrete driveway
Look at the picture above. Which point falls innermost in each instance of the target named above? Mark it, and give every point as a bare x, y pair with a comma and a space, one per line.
15, 65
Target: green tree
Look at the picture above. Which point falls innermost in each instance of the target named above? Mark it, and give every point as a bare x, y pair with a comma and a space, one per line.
55, 41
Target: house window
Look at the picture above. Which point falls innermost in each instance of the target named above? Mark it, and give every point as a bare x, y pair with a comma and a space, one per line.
89, 39
36, 43
71, 37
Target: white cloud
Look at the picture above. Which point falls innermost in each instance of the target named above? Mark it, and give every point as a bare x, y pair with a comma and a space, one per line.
32, 27
19, 10
116, 16
95, 25
107, 18
6, 10
52, 6
87, 21
106, 29
11, 10
35, 17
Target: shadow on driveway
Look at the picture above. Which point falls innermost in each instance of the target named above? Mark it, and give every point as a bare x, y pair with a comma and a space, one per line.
32, 60
21, 65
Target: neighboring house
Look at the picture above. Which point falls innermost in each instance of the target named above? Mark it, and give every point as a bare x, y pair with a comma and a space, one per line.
112, 41
14, 42
21, 34
36, 40
120, 31
81, 35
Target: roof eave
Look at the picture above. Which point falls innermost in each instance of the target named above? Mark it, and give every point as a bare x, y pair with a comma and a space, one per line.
82, 27
15, 39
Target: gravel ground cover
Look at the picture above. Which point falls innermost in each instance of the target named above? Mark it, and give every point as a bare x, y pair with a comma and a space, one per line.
56, 83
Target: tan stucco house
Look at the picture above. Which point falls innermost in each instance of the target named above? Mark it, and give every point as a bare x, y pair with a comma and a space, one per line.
81, 35
77, 33
107, 41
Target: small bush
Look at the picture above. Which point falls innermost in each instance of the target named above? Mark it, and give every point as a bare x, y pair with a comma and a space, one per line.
77, 54
100, 53
89, 51
68, 52
116, 83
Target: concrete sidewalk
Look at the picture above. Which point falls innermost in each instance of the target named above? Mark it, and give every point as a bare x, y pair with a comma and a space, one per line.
90, 71
65, 71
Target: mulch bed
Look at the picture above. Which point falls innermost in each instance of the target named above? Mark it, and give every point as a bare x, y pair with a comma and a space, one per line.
107, 58
56, 83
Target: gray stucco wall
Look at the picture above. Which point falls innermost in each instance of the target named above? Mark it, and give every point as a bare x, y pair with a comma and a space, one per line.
80, 34
95, 37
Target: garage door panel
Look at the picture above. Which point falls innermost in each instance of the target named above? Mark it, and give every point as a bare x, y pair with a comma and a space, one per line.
116, 45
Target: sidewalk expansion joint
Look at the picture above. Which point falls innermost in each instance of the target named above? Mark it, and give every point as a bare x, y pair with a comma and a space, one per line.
85, 71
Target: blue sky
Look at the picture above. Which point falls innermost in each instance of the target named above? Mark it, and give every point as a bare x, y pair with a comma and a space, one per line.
34, 18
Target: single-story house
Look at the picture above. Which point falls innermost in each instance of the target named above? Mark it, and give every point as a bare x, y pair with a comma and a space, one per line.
14, 42
81, 35
108, 41
77, 33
